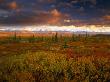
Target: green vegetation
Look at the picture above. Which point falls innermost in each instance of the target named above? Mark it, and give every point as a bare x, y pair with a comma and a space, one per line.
54, 67
56, 58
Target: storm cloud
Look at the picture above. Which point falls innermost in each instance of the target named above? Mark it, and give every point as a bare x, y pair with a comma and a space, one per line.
55, 12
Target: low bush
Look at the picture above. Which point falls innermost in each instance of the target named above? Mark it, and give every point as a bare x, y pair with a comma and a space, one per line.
54, 67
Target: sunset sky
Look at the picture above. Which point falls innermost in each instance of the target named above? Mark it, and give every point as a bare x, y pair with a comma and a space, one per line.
55, 12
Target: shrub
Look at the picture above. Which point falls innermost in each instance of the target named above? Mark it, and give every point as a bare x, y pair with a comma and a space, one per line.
53, 67
32, 39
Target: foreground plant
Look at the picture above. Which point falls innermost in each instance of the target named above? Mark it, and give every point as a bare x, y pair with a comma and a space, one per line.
54, 67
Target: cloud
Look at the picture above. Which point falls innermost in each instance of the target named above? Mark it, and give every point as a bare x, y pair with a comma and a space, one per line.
46, 1
1, 1
43, 17
52, 17
53, 12
56, 17
13, 5
3, 12
92, 1
106, 17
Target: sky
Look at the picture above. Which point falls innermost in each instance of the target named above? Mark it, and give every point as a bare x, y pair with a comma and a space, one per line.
55, 12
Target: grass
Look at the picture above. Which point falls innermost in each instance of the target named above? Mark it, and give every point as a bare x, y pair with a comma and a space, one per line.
55, 59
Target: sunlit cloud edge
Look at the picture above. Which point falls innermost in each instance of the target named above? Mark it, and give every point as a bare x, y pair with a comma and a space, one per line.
71, 28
